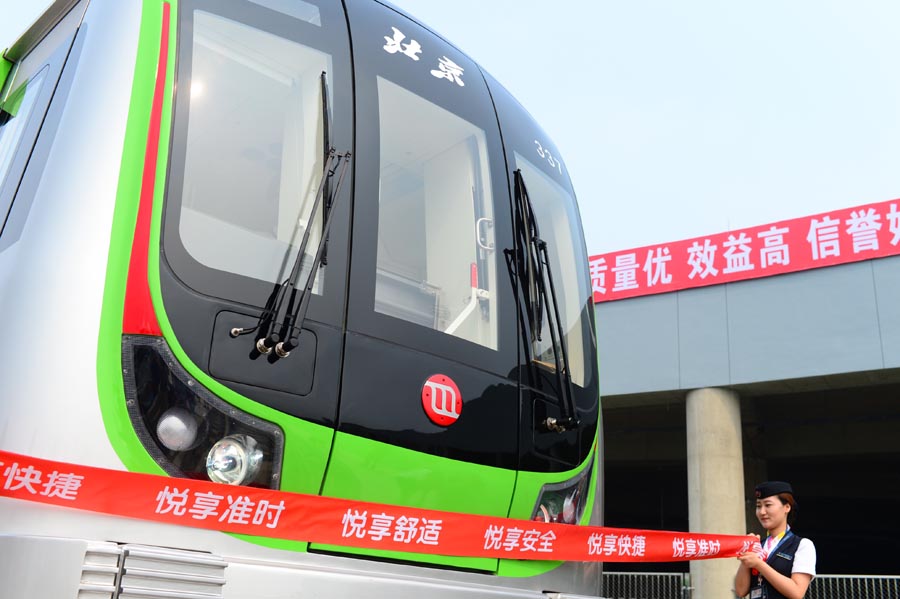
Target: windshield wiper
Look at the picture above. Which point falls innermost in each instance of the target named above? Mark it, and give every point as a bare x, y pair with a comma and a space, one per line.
299, 303
529, 266
326, 137
281, 332
536, 277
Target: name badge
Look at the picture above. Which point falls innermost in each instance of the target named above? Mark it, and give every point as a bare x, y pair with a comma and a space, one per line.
785, 556
757, 593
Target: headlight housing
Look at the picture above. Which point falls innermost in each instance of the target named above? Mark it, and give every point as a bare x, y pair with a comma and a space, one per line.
234, 460
564, 502
187, 429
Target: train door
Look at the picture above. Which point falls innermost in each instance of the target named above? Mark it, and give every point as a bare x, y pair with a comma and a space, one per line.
263, 91
429, 412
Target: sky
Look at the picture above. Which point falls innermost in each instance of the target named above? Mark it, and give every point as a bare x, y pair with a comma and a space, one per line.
688, 118
16, 16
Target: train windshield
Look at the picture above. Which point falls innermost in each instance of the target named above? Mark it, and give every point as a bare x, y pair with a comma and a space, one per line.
254, 153
557, 216
436, 264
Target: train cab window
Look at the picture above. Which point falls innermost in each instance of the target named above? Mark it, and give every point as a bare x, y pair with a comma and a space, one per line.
254, 147
435, 261
556, 213
15, 111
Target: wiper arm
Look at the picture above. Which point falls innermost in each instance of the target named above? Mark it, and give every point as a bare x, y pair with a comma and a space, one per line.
540, 281
281, 333
298, 305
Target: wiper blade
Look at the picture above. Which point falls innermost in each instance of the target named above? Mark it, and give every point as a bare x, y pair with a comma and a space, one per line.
326, 137
529, 264
539, 281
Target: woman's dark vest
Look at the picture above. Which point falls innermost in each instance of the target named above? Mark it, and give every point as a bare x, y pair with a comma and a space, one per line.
782, 561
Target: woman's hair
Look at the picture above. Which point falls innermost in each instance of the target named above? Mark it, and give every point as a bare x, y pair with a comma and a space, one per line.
788, 499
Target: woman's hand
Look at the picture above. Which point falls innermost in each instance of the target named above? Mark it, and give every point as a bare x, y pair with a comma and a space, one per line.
751, 560
742, 577
746, 558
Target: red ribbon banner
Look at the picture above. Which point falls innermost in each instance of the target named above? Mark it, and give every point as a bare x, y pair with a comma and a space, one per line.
333, 521
853, 234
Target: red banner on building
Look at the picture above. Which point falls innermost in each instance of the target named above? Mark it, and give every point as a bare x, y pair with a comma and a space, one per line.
835, 237
332, 521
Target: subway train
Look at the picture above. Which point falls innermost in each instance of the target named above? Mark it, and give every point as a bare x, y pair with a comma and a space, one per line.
301, 245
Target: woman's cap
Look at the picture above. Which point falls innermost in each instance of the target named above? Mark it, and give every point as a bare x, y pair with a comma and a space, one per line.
772, 487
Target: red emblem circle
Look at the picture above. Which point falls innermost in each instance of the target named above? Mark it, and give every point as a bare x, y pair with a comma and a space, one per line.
441, 400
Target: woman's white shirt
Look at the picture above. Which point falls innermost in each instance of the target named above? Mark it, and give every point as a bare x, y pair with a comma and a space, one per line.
805, 558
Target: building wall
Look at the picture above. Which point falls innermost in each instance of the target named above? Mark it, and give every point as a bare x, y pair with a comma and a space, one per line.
813, 358
821, 322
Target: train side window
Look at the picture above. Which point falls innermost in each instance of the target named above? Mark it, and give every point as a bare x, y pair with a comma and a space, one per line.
254, 154
436, 264
14, 115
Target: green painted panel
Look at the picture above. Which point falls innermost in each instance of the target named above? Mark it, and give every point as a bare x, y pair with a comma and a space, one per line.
13, 102
371, 471
5, 68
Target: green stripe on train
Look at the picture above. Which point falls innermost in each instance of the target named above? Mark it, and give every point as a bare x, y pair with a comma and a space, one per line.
5, 68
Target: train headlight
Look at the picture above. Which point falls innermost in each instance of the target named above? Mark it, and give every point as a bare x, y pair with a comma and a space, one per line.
190, 431
234, 460
177, 429
564, 502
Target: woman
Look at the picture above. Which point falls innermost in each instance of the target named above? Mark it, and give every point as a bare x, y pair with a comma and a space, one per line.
786, 563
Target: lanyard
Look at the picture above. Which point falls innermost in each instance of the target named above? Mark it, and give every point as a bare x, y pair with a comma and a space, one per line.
779, 539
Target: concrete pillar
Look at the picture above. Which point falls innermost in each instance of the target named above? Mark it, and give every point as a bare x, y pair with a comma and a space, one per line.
715, 482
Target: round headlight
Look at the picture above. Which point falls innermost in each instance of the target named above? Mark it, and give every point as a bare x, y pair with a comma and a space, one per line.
177, 429
234, 460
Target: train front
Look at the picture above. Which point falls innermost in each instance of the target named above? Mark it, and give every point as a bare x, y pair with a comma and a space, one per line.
346, 270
